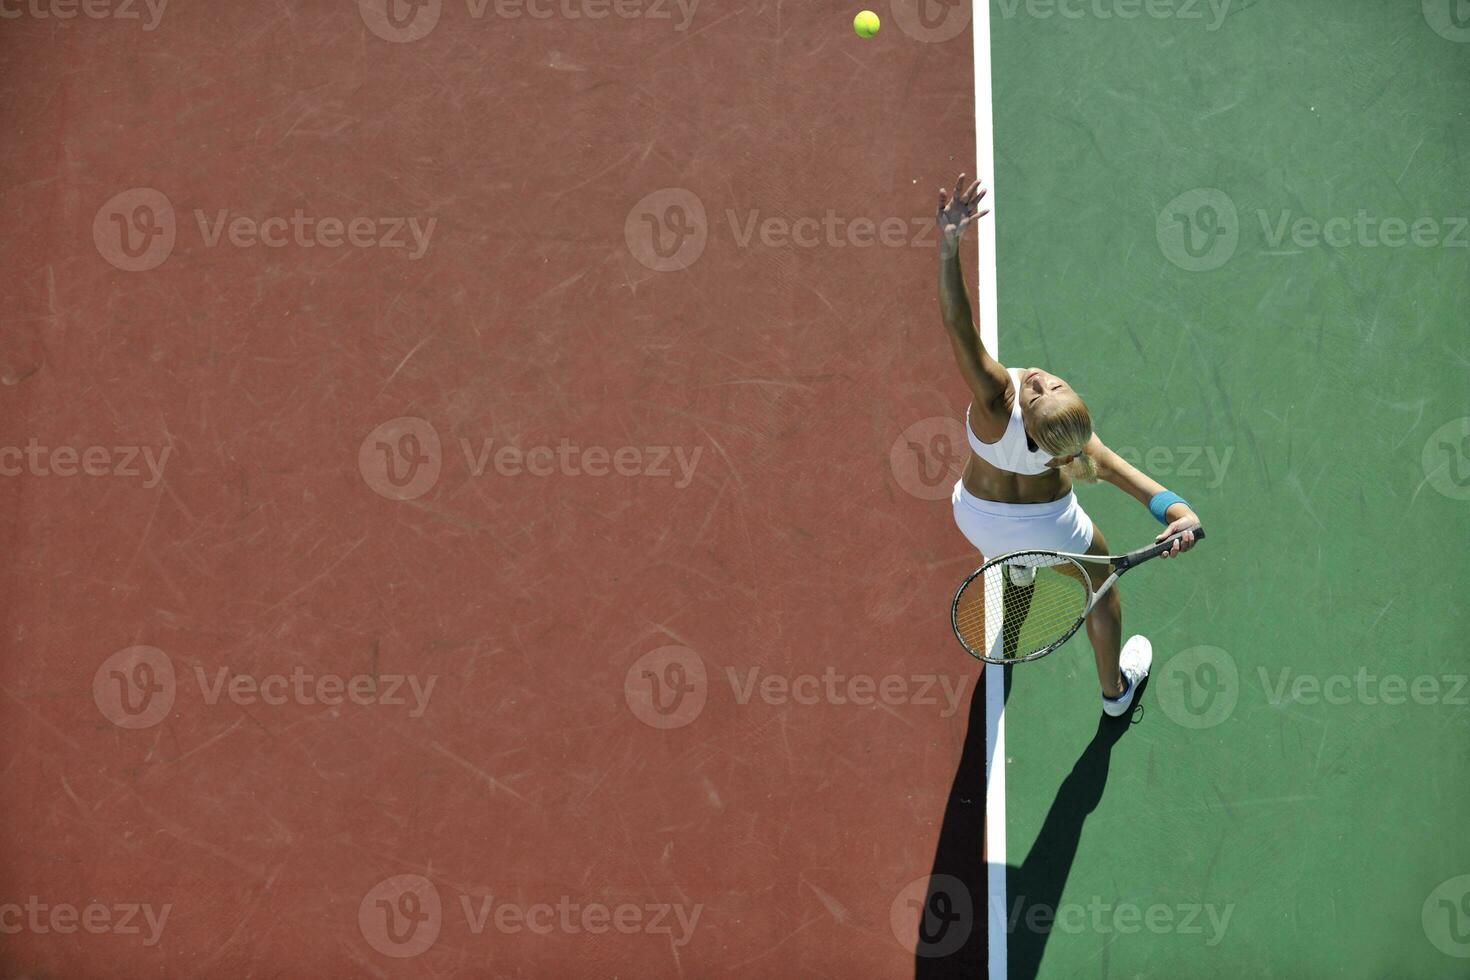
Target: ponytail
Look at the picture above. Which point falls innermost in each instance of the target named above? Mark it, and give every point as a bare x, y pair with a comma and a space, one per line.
1082, 469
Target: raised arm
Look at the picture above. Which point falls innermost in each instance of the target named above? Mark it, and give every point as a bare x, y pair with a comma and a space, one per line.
1171, 509
985, 377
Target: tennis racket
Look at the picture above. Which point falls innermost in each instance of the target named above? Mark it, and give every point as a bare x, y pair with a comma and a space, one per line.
1041, 597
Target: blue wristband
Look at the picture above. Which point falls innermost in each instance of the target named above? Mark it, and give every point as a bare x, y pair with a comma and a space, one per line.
1160, 503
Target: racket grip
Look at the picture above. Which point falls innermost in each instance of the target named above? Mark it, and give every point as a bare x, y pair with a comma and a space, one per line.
1199, 535
1154, 550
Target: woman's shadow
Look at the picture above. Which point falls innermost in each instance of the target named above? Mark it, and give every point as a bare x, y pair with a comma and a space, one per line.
953, 929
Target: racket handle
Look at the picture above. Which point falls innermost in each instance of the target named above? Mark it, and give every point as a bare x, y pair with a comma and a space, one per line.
1154, 550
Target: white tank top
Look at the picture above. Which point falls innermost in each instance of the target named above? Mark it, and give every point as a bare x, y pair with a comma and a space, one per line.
1013, 452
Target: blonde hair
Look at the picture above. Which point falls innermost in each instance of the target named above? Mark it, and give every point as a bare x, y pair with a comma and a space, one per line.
1065, 431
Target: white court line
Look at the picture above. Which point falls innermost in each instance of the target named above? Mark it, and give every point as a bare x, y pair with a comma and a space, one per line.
995, 722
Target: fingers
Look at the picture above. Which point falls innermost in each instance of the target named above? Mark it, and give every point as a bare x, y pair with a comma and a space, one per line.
1184, 528
968, 199
972, 218
968, 195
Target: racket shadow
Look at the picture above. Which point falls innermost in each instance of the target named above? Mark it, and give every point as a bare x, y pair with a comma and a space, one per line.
1034, 887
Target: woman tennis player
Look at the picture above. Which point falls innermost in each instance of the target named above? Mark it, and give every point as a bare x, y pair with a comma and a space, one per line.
1030, 437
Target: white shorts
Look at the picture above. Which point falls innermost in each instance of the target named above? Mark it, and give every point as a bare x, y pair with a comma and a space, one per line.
997, 529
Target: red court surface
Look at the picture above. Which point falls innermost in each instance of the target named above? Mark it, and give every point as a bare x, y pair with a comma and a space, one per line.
414, 568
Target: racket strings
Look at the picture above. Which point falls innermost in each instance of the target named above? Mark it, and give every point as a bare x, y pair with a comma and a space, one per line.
1039, 599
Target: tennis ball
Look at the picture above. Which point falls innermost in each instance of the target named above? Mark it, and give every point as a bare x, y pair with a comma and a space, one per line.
866, 24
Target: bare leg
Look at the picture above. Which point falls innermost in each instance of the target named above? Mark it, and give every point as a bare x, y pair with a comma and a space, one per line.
1105, 623
1015, 604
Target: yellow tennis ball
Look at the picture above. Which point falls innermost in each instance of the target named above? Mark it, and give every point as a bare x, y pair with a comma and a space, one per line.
866, 24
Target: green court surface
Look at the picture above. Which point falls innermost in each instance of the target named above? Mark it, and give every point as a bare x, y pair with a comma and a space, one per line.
1241, 234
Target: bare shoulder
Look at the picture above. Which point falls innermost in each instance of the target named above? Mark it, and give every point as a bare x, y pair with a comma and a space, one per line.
990, 409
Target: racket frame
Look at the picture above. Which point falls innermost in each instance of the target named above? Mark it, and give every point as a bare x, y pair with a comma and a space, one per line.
1119, 563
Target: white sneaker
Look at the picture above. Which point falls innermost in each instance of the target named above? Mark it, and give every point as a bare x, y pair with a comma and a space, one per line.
1022, 576
1134, 662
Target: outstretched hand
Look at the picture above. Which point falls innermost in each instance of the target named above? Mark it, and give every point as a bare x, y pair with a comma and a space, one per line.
957, 212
